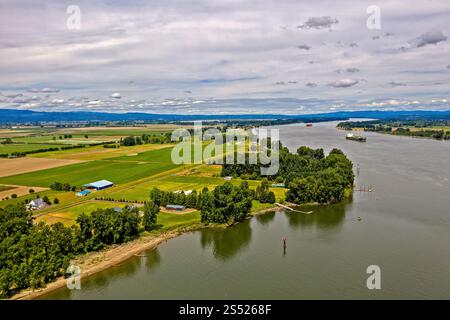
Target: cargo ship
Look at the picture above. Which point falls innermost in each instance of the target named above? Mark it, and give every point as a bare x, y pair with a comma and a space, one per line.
355, 137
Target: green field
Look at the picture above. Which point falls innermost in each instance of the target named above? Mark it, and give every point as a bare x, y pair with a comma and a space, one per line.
171, 220
122, 132
161, 156
54, 139
23, 147
69, 215
82, 173
134, 171
51, 194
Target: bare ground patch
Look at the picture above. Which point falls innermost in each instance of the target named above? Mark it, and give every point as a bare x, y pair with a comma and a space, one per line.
19, 191
9, 167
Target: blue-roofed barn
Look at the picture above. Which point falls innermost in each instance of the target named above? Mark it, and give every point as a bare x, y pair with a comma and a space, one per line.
99, 185
83, 193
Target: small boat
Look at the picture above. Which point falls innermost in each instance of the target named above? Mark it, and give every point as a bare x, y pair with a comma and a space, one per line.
309, 124
355, 137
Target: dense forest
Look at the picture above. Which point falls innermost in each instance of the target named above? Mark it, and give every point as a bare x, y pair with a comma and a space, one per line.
412, 128
309, 174
226, 204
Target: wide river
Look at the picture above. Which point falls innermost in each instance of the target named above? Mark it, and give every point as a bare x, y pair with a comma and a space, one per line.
403, 227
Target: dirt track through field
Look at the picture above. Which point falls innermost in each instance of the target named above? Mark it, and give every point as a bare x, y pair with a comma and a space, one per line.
10, 167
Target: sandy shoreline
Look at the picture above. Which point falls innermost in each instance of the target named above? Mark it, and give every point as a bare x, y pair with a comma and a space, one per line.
95, 262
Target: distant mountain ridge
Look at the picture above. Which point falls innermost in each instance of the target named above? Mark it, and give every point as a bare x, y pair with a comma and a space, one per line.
29, 116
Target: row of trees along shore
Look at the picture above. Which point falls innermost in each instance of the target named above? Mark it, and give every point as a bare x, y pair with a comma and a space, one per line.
411, 128
33, 254
309, 175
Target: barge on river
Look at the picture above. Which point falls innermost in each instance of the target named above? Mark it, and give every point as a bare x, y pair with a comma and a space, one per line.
355, 137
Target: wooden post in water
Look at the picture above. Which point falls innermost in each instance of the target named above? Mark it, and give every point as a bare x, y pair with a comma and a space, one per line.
284, 245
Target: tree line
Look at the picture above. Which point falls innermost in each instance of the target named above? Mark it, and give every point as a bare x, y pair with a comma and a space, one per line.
145, 139
32, 255
309, 174
412, 128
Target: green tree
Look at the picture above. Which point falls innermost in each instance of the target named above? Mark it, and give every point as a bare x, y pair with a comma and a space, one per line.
129, 141
151, 211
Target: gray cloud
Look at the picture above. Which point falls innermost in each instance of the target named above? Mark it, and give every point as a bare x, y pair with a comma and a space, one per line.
431, 37
304, 47
394, 84
352, 70
319, 23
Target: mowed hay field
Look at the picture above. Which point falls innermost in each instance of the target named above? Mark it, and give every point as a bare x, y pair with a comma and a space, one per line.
10, 167
99, 152
69, 215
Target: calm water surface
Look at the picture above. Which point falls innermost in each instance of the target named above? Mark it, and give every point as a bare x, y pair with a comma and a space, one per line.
404, 229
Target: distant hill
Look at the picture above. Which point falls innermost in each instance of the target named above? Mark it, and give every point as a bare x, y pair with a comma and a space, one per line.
29, 116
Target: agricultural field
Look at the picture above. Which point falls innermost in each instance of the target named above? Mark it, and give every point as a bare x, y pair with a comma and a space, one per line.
74, 140
6, 188
82, 173
168, 221
24, 147
10, 167
99, 152
134, 170
69, 215
63, 197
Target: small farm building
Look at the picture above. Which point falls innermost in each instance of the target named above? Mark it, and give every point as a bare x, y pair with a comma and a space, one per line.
83, 193
174, 207
99, 185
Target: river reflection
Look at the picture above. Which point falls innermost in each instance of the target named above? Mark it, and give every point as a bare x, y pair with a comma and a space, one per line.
265, 218
226, 243
323, 217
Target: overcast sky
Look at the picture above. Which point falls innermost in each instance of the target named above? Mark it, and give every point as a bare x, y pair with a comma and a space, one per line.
227, 56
